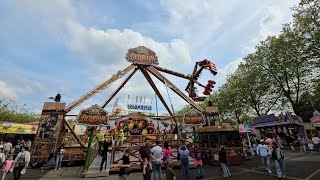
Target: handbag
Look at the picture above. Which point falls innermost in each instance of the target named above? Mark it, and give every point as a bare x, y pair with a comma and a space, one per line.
216, 157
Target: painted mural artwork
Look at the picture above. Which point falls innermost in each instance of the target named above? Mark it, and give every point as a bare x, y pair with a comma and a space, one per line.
48, 124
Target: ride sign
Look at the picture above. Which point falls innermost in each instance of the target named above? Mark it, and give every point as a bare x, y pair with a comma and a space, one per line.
194, 118
93, 116
142, 55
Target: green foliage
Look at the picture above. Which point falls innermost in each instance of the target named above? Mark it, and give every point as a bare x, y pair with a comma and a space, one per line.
11, 112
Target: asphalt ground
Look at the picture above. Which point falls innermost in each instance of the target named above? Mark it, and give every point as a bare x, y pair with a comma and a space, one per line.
298, 166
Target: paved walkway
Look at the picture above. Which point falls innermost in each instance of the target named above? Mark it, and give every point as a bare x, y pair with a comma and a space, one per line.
300, 166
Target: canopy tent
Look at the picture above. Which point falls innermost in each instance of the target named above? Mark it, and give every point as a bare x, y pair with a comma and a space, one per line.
15, 128
244, 129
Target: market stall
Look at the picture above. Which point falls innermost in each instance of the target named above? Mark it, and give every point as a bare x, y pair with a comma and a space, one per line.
15, 131
283, 125
211, 138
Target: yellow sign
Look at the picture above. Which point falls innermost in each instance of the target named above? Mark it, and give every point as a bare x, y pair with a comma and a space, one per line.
194, 118
93, 116
142, 55
13, 128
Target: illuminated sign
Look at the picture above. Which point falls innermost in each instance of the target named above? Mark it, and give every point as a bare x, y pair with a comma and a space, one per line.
142, 55
194, 118
139, 107
93, 116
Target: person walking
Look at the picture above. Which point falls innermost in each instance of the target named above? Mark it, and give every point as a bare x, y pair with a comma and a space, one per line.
316, 142
104, 153
2, 158
302, 143
223, 162
20, 163
198, 161
124, 165
59, 157
1, 144
278, 158
167, 153
7, 148
156, 162
290, 141
8, 166
264, 152
184, 160
100, 137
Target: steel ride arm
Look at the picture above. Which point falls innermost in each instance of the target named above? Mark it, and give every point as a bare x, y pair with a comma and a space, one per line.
98, 89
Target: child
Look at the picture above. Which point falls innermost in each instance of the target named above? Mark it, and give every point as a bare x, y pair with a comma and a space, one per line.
146, 169
8, 166
198, 161
170, 174
310, 145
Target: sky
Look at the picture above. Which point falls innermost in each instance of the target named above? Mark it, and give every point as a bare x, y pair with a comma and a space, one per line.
71, 46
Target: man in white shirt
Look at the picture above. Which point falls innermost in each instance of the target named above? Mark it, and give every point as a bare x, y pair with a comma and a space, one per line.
7, 148
316, 143
264, 151
156, 164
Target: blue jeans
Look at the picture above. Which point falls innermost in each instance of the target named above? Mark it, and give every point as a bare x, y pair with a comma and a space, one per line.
200, 171
281, 172
266, 162
225, 169
156, 167
59, 161
316, 148
185, 170
167, 165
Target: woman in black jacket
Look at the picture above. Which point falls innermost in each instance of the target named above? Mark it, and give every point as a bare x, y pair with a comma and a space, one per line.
223, 162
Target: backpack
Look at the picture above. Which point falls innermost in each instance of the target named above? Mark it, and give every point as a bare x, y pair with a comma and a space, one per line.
279, 154
198, 155
21, 162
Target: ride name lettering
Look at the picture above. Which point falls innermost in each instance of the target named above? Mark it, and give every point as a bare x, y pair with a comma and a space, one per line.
87, 119
142, 57
193, 120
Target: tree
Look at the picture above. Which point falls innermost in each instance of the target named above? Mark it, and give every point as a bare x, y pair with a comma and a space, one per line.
286, 65
255, 89
11, 112
306, 23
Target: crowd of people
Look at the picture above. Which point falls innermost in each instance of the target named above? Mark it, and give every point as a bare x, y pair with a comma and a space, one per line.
306, 145
14, 158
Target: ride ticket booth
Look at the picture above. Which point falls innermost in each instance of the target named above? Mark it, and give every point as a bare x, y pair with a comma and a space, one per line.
217, 134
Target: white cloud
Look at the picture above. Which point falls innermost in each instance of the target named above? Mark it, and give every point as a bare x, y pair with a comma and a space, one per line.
196, 21
7, 92
227, 70
270, 24
109, 47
